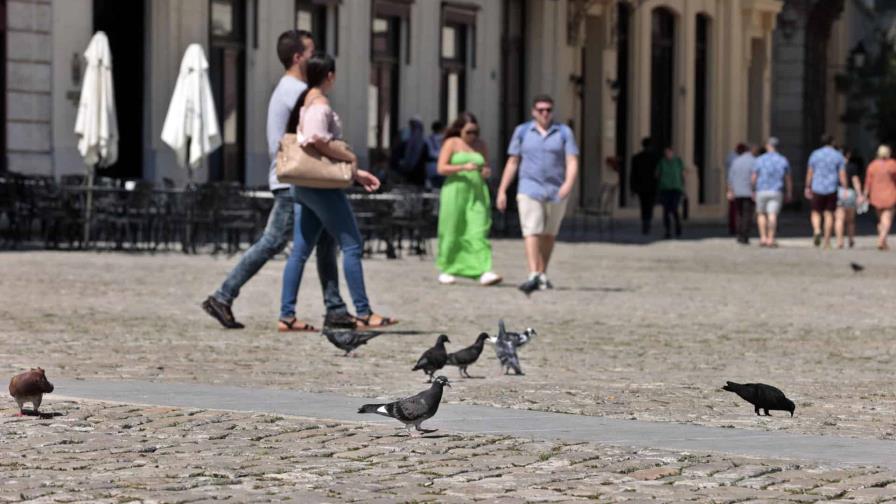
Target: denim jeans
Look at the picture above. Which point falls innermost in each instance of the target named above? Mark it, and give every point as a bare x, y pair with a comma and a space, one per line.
316, 210
670, 201
272, 242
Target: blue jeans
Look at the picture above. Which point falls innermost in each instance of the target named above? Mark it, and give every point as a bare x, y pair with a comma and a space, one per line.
670, 201
272, 242
316, 210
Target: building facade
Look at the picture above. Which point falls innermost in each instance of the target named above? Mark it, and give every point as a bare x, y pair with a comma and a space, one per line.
694, 74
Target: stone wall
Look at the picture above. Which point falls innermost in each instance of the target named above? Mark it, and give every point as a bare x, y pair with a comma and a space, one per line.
28, 86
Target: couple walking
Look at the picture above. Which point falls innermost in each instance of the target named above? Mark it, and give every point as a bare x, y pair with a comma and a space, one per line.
544, 153
312, 217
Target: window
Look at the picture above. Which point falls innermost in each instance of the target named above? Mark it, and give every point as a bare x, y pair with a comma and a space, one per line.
311, 15
456, 56
383, 88
227, 70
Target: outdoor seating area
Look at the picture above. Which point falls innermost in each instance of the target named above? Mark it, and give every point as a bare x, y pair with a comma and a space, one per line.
216, 217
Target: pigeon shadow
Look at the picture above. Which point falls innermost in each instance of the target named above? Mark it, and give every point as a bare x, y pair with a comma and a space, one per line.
570, 289
42, 416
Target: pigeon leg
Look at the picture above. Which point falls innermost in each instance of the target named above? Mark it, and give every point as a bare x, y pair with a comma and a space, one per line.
767, 413
466, 373
36, 403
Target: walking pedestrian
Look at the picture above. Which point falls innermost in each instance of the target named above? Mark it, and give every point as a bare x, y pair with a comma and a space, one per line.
771, 177
849, 197
740, 190
546, 155
732, 211
670, 177
465, 209
880, 191
410, 155
433, 147
826, 172
643, 181
317, 124
294, 47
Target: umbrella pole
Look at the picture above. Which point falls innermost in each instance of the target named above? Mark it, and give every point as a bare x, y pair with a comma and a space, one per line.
87, 207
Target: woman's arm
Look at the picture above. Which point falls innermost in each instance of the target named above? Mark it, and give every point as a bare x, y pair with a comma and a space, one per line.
443, 167
869, 176
335, 150
486, 170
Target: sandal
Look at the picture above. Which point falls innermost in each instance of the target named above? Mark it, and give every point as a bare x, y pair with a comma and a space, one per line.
294, 325
369, 322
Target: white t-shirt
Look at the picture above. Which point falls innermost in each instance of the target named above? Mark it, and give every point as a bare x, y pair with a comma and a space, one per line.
279, 108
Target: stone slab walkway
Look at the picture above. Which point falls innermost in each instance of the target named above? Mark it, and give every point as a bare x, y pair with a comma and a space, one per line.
454, 418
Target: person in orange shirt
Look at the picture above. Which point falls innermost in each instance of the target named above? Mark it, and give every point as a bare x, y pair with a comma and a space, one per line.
880, 191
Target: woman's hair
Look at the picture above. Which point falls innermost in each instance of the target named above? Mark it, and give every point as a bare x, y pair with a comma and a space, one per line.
462, 120
316, 71
884, 152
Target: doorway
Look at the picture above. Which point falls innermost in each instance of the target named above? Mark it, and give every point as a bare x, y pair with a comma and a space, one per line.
227, 70
662, 77
124, 25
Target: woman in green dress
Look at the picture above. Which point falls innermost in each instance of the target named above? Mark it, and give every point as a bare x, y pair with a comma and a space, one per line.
465, 211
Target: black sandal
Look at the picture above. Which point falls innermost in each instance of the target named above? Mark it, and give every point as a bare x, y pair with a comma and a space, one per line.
294, 326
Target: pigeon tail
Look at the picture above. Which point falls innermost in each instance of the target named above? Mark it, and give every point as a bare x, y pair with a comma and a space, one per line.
373, 408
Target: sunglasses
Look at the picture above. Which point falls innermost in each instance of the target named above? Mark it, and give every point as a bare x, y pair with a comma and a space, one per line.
474, 132
544, 110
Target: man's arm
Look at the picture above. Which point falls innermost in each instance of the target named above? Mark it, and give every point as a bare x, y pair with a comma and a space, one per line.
788, 183
572, 172
510, 169
807, 191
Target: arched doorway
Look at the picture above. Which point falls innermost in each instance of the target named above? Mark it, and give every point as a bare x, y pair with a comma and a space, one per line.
662, 76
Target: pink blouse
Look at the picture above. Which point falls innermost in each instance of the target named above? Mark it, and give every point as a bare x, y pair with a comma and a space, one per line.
318, 122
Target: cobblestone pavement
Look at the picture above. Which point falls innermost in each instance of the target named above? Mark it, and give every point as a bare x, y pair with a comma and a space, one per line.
115, 453
648, 332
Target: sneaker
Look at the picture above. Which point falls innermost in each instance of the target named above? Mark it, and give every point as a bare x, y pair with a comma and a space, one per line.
544, 283
339, 320
816, 240
446, 279
529, 286
490, 278
221, 312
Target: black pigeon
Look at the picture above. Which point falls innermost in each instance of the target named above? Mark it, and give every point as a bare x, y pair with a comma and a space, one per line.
856, 267
349, 340
467, 356
433, 359
761, 396
412, 410
506, 344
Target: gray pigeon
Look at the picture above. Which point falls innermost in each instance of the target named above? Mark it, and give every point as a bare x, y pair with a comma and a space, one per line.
506, 345
433, 359
856, 267
412, 410
761, 396
348, 341
467, 356
30, 386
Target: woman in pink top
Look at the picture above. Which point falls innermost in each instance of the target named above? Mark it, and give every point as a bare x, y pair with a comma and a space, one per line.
880, 191
317, 124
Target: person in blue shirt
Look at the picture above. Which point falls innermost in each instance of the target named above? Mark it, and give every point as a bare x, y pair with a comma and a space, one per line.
771, 176
546, 156
826, 172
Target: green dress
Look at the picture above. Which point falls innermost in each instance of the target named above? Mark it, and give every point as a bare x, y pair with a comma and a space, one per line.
465, 218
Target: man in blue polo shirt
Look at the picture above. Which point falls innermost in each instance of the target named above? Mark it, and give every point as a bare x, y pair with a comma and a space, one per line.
546, 156
826, 172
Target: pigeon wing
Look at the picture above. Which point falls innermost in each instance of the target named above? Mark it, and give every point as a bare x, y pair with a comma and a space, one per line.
410, 410
768, 395
26, 384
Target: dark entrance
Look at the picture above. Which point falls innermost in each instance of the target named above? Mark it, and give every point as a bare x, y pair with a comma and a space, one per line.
662, 76
701, 102
124, 25
227, 63
623, 26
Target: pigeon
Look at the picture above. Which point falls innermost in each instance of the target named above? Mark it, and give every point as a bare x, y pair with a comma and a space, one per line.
29, 386
412, 410
467, 356
761, 396
433, 359
856, 267
506, 344
349, 340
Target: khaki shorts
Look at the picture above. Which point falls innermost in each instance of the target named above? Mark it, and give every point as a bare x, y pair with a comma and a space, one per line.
540, 217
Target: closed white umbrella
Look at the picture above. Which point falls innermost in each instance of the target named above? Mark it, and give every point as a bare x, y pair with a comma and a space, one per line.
191, 126
96, 124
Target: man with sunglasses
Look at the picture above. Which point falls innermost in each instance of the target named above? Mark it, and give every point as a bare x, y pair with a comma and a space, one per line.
546, 156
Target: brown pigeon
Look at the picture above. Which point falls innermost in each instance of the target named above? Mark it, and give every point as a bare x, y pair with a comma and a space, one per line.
29, 386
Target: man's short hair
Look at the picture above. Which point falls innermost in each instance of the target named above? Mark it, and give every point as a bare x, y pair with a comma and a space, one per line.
437, 126
646, 142
542, 98
290, 43
827, 139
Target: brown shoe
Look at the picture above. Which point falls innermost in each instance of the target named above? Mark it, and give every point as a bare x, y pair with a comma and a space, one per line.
221, 312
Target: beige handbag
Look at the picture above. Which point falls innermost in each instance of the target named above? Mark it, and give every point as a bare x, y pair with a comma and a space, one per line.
306, 167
